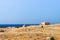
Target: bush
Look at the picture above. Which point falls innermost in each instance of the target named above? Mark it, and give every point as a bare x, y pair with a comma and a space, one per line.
52, 38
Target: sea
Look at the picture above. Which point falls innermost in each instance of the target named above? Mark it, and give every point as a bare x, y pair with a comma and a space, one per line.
15, 25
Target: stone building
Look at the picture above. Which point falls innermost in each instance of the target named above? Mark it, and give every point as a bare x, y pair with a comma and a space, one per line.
45, 23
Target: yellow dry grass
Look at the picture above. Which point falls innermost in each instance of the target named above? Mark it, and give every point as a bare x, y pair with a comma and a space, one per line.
31, 33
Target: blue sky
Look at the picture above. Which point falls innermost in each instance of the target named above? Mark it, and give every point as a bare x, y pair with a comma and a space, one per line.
29, 11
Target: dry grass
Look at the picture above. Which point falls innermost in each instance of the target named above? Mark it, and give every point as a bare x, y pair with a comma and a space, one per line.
31, 33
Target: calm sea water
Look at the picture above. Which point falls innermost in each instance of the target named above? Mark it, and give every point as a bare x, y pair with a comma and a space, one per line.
14, 25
